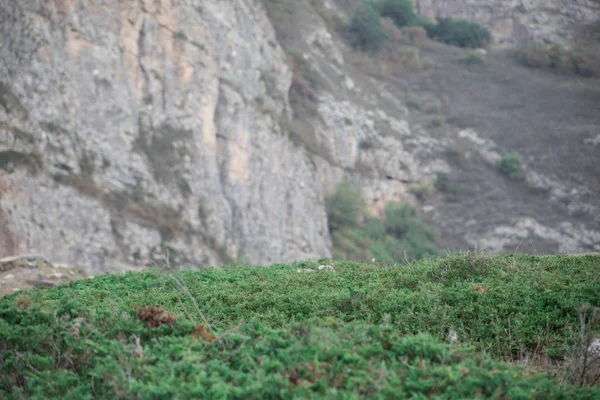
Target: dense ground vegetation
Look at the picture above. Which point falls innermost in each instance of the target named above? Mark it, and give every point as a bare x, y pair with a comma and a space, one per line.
460, 33
366, 32
349, 330
577, 60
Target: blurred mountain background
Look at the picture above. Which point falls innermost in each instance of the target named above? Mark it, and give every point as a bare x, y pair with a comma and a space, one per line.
270, 131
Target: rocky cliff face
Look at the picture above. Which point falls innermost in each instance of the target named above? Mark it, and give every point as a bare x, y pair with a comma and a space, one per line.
129, 128
514, 22
133, 129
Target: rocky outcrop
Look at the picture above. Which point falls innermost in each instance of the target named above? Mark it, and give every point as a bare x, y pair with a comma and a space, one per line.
131, 128
514, 22
519, 237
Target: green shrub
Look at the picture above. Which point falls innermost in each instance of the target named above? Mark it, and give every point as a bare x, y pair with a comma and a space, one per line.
459, 32
345, 207
557, 56
444, 184
422, 189
433, 106
583, 63
408, 234
413, 101
356, 235
535, 55
365, 30
401, 12
412, 59
351, 244
511, 166
415, 35
576, 60
424, 23
374, 228
474, 57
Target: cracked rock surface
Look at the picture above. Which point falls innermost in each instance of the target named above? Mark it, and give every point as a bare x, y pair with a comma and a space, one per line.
129, 128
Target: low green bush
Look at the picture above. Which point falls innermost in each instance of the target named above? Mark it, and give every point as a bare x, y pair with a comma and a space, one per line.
344, 207
425, 23
401, 12
422, 189
511, 166
459, 32
410, 238
444, 184
365, 30
473, 58
556, 57
535, 55
432, 106
413, 101
400, 237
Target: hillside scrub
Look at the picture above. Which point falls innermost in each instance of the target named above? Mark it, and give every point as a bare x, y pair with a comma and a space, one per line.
357, 330
402, 12
511, 166
400, 237
367, 33
473, 58
556, 57
365, 30
459, 32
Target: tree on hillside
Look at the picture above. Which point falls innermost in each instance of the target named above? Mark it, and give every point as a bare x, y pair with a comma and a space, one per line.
365, 29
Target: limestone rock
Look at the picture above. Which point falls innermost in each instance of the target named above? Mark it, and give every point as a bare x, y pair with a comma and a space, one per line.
134, 127
513, 22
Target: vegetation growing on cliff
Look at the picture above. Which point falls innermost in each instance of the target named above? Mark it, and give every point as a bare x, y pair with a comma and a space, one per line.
556, 57
365, 30
462, 33
367, 33
297, 331
401, 236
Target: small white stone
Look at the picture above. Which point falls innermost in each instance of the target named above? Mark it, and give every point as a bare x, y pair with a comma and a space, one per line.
326, 266
593, 141
349, 83
452, 336
400, 127
9, 277
594, 348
